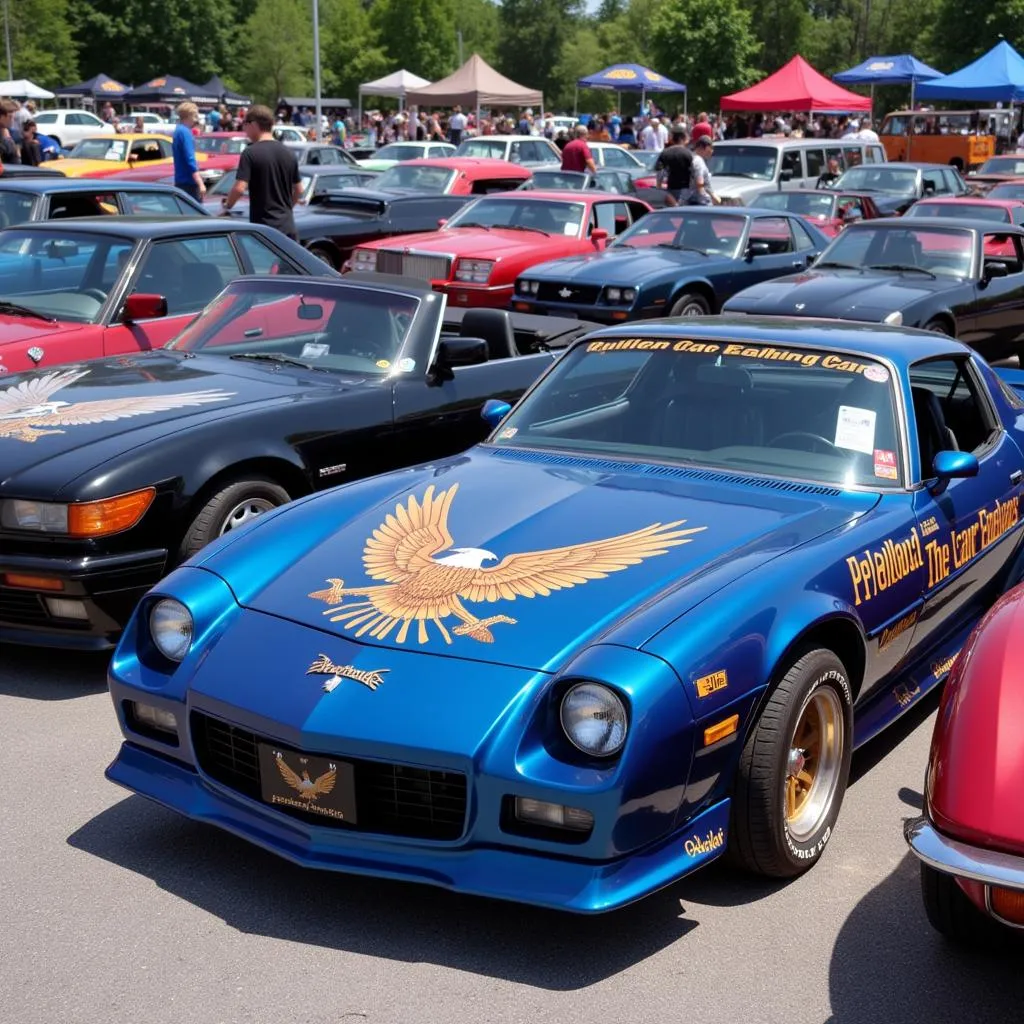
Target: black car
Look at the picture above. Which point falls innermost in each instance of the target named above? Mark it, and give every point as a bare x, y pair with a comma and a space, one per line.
959, 277
112, 471
895, 187
44, 198
27, 171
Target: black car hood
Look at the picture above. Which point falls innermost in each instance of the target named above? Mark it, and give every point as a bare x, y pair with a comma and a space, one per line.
845, 294
87, 413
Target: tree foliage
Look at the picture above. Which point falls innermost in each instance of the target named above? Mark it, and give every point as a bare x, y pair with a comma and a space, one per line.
534, 35
276, 58
43, 48
418, 35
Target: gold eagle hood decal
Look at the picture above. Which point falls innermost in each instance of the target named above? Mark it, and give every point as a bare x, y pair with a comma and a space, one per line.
426, 579
28, 410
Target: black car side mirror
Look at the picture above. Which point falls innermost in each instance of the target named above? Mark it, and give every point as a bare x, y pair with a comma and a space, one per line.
994, 270
457, 351
757, 249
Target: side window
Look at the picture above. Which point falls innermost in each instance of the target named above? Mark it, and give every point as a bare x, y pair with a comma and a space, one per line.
636, 211
774, 232
81, 204
791, 162
114, 261
853, 155
515, 152
329, 156
615, 157
815, 162
952, 180
948, 410
79, 120
263, 259
612, 217
876, 155
152, 204
1002, 250
146, 149
932, 183
836, 153
188, 272
803, 237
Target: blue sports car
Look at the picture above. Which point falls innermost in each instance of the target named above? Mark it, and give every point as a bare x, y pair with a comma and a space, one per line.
680, 261
645, 623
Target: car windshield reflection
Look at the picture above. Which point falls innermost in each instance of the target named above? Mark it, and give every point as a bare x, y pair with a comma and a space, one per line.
896, 181
544, 215
781, 411
685, 228
915, 245
419, 178
803, 203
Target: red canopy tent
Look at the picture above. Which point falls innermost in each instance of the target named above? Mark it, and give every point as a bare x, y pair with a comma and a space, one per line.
796, 86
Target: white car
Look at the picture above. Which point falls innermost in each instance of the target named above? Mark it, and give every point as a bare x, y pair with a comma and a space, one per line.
528, 150
68, 127
290, 133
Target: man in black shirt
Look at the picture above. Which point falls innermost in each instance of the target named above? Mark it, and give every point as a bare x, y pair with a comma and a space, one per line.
675, 164
270, 172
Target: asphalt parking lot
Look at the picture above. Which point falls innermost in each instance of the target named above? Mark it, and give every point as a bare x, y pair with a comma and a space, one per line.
115, 910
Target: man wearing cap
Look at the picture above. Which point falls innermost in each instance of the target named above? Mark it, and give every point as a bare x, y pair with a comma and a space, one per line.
577, 156
701, 193
675, 165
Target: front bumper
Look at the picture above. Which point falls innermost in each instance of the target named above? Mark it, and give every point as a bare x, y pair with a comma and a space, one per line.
595, 313
483, 869
963, 860
475, 296
106, 587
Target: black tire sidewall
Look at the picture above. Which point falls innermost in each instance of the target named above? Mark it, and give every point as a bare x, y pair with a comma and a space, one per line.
207, 524
324, 256
687, 299
938, 327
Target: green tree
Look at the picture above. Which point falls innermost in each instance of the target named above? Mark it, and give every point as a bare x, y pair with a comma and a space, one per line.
277, 58
479, 21
418, 35
709, 45
963, 30
349, 49
534, 35
42, 47
582, 54
783, 28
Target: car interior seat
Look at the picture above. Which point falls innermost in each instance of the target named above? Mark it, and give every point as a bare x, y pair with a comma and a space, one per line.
709, 409
200, 283
495, 327
933, 435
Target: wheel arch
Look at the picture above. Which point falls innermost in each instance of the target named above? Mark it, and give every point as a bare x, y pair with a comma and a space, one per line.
944, 316
329, 246
699, 286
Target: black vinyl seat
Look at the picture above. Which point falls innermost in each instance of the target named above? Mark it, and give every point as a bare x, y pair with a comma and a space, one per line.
933, 436
495, 327
713, 410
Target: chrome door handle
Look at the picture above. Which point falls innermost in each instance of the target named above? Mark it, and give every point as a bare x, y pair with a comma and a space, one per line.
1016, 476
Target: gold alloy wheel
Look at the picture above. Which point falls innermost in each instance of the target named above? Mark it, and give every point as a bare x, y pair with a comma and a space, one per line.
814, 763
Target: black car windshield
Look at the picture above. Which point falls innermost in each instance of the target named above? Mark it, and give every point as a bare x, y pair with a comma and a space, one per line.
746, 407
685, 227
220, 146
973, 211
417, 177
896, 181
63, 275
744, 161
343, 328
1003, 165
943, 250
803, 203
546, 215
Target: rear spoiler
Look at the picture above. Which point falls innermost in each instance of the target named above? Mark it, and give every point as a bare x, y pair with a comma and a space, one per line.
340, 198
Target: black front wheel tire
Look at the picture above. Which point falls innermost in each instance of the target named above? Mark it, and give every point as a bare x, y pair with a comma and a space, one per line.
233, 505
954, 916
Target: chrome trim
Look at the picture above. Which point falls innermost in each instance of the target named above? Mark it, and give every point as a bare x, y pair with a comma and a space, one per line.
952, 857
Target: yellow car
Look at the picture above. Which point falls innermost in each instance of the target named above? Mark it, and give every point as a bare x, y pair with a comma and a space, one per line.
100, 155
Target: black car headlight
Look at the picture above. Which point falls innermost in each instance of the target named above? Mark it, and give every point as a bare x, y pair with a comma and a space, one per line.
594, 719
171, 628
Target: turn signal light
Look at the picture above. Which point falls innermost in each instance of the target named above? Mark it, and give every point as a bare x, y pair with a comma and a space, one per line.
719, 731
1007, 904
18, 579
109, 515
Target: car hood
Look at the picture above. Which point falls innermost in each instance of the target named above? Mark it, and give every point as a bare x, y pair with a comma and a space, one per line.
80, 167
837, 293
15, 329
43, 421
619, 264
501, 506
476, 242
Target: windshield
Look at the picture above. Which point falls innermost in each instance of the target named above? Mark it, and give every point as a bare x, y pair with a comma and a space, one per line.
941, 251
744, 161
804, 203
15, 208
419, 178
648, 157
223, 185
342, 328
1007, 191
62, 275
897, 181
103, 148
220, 146
492, 148
557, 180
773, 409
1003, 165
975, 211
546, 215
399, 151
685, 228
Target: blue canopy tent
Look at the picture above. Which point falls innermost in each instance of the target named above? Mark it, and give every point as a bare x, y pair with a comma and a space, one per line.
631, 78
93, 88
168, 89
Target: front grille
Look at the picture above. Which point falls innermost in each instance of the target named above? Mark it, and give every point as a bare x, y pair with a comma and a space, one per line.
22, 608
423, 267
552, 292
394, 799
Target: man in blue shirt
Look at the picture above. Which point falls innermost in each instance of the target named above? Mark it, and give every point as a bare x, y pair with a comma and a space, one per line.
183, 148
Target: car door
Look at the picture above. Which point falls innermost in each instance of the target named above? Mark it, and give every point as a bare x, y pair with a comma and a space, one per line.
781, 256
998, 322
967, 529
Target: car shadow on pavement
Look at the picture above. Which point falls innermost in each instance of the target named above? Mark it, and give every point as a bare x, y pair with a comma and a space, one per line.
37, 674
259, 893
888, 964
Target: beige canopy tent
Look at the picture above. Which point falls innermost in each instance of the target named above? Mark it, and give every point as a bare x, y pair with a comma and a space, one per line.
475, 84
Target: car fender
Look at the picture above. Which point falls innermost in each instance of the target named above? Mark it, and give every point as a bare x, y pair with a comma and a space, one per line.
690, 284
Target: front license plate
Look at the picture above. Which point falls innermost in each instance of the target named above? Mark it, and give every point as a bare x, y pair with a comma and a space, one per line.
303, 782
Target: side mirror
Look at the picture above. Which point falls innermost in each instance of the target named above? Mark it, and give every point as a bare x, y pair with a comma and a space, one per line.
462, 352
785, 175
928, 189
599, 237
757, 249
141, 306
441, 221
950, 465
994, 270
494, 411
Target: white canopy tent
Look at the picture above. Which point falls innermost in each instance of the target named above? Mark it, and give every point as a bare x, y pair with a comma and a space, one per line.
396, 84
23, 89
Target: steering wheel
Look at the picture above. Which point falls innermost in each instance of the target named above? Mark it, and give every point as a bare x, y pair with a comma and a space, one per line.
94, 293
807, 436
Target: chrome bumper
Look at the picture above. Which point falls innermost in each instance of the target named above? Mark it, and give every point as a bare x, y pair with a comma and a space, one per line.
953, 857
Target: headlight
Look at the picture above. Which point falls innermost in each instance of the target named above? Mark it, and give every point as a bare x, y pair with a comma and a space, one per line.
628, 294
474, 271
614, 294
895, 319
170, 626
523, 287
80, 519
364, 259
45, 516
594, 719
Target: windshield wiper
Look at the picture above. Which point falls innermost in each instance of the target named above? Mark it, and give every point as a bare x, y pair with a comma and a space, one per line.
682, 248
523, 227
16, 309
470, 224
835, 263
277, 357
901, 267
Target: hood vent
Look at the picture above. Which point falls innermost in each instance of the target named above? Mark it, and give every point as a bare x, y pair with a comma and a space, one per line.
676, 472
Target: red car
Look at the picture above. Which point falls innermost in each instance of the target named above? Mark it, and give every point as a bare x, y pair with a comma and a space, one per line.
1012, 189
477, 255
94, 287
828, 211
998, 210
995, 170
220, 150
970, 840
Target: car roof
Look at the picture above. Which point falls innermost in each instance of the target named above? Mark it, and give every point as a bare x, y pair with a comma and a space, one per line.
901, 344
505, 138
714, 211
140, 227
46, 184
223, 135
938, 224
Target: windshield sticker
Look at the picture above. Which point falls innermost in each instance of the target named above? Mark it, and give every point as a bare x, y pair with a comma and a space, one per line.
383, 364
569, 229
767, 353
509, 432
406, 365
878, 374
311, 350
855, 429
885, 464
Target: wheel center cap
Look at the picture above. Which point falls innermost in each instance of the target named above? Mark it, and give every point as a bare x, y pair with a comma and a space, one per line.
797, 760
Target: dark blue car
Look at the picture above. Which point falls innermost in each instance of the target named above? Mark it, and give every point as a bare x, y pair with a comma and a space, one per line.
683, 261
